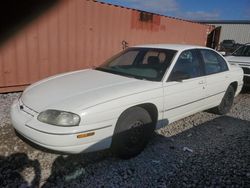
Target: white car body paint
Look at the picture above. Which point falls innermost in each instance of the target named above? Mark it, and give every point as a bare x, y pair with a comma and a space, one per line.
99, 98
243, 62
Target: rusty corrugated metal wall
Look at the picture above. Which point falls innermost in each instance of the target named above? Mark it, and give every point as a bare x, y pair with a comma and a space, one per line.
76, 34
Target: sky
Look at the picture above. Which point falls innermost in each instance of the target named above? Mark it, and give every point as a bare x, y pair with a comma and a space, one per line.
192, 9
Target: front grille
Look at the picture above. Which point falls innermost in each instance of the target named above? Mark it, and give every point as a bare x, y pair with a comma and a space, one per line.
246, 70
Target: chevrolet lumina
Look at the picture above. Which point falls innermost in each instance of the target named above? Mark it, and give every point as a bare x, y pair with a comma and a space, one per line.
119, 104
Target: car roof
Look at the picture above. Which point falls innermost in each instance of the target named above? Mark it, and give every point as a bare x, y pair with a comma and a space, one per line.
178, 47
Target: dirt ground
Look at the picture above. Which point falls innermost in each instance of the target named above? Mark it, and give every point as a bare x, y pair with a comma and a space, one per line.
203, 150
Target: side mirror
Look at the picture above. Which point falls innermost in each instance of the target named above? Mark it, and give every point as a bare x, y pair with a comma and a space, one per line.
179, 76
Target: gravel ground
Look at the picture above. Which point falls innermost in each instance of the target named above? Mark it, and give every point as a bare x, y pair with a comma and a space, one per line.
203, 150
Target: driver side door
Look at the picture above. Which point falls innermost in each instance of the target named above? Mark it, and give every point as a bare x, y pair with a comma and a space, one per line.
185, 89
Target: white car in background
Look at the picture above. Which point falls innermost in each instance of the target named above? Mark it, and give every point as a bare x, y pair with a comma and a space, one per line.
242, 57
120, 103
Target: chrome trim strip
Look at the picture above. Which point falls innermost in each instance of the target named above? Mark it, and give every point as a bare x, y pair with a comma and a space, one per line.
193, 101
27, 112
68, 133
28, 107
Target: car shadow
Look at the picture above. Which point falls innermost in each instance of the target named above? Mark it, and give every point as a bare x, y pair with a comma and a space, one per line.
11, 168
245, 89
214, 153
70, 168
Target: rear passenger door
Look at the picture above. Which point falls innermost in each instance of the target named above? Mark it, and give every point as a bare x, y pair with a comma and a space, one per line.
217, 77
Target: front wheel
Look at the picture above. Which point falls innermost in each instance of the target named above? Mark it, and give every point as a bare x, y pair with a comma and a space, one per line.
226, 102
132, 132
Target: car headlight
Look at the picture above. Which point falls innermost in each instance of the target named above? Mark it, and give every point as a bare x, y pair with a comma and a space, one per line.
59, 118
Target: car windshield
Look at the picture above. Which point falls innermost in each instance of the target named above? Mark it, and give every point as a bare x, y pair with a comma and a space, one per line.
141, 63
242, 51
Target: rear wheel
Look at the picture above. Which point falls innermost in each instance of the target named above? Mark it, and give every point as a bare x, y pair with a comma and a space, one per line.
132, 132
226, 102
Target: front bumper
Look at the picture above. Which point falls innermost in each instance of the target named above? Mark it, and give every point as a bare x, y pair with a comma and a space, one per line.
246, 70
25, 123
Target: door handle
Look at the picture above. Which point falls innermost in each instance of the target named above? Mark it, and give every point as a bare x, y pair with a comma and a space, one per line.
201, 82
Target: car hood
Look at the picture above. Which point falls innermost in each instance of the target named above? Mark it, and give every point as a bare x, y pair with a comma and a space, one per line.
238, 59
78, 90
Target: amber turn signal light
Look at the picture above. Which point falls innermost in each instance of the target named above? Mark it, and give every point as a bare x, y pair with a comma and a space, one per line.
84, 135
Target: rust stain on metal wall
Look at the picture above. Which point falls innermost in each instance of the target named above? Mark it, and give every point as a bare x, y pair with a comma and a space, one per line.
145, 21
78, 34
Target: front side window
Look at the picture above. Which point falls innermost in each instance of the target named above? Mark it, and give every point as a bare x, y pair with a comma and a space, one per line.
214, 63
188, 65
242, 51
140, 63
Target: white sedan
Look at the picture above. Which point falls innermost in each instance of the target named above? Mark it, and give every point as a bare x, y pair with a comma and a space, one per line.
119, 104
241, 57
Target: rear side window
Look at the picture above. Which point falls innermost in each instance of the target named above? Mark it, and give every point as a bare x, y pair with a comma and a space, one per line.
214, 63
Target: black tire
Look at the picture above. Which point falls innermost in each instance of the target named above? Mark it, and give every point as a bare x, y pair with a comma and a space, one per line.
132, 132
226, 102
